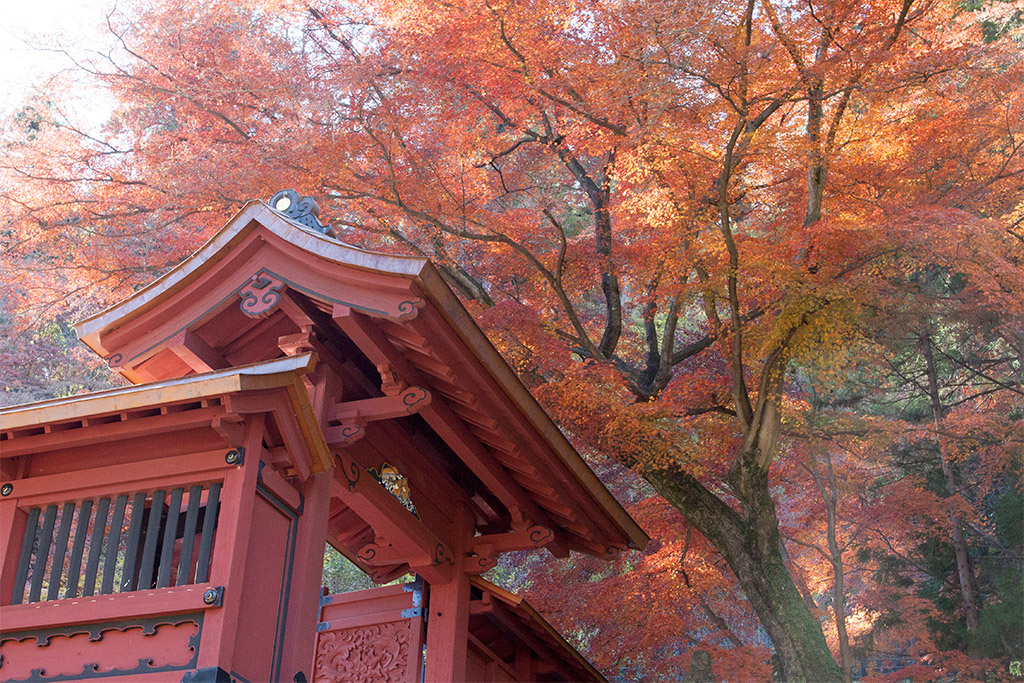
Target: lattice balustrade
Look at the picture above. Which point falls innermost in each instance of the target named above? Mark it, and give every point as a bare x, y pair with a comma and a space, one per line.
134, 541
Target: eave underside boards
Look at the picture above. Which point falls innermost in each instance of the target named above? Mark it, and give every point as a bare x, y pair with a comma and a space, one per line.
566, 505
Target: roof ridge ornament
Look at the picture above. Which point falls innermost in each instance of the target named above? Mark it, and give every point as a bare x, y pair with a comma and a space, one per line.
299, 208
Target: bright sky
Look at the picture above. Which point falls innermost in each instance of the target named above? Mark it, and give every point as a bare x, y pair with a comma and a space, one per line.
25, 24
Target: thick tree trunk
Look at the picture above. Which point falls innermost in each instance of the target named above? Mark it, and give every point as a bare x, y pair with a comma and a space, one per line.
963, 566
750, 544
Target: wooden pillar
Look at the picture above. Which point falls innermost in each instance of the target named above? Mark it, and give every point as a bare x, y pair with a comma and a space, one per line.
12, 530
448, 630
229, 558
300, 638
448, 620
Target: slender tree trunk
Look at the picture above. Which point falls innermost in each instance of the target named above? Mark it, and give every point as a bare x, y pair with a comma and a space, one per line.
963, 566
816, 171
830, 495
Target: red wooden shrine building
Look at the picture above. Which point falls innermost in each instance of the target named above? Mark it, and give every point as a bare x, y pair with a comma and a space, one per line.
289, 390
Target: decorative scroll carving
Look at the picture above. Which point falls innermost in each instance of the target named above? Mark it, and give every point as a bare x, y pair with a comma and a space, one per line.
381, 575
540, 535
407, 310
532, 537
344, 435
413, 397
350, 469
410, 401
260, 294
614, 552
482, 563
352, 416
441, 556
367, 654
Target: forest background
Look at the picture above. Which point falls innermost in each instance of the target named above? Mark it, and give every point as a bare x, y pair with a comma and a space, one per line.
762, 260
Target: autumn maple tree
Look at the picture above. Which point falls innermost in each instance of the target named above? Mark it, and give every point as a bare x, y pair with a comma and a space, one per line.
719, 241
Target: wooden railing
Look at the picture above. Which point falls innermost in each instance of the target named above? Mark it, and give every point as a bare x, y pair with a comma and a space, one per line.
134, 541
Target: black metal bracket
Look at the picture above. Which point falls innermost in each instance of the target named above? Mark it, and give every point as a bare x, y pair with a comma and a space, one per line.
214, 597
236, 456
208, 674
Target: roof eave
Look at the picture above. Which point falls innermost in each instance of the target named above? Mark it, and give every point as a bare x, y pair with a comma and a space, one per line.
253, 214
455, 313
282, 372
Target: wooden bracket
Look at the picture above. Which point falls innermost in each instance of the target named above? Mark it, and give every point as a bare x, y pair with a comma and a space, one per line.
297, 344
410, 401
344, 435
196, 353
524, 539
230, 429
386, 555
390, 384
419, 545
485, 557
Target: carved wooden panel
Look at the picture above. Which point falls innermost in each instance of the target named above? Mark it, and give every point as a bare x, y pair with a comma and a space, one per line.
371, 636
368, 654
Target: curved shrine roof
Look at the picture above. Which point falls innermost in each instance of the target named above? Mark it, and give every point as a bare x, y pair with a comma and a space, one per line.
266, 285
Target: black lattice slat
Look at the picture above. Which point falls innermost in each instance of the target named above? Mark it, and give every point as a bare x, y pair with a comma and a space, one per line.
132, 550
206, 541
189, 538
42, 553
170, 536
113, 541
60, 549
75, 563
99, 529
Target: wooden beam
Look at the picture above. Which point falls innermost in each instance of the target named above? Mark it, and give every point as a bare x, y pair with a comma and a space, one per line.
381, 555
524, 663
309, 552
425, 551
420, 462
490, 471
344, 435
196, 353
524, 539
273, 401
509, 622
411, 401
228, 566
